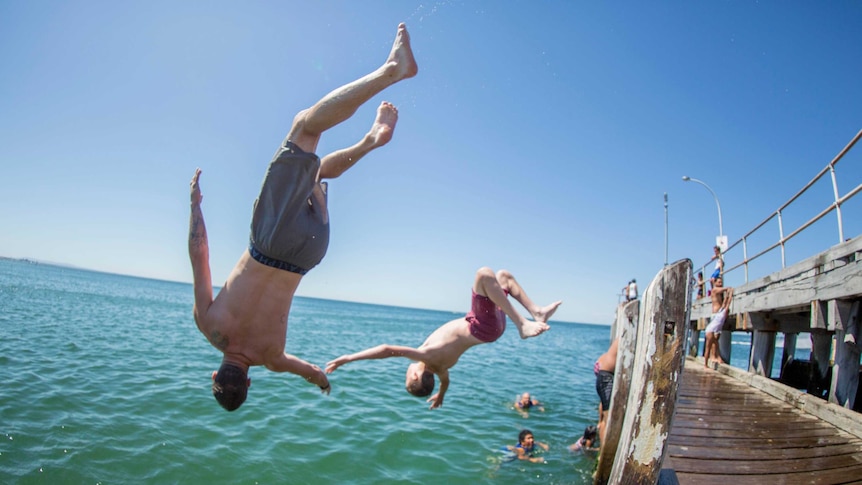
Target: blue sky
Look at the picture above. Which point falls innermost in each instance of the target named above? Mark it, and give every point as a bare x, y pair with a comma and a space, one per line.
538, 136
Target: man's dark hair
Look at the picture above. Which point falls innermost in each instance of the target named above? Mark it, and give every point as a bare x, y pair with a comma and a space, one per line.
523, 434
230, 386
423, 386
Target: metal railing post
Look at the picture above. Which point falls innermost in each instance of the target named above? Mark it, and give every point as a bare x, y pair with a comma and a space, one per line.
837, 204
781, 238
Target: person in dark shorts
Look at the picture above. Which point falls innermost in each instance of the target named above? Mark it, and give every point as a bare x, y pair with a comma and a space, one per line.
485, 323
604, 369
247, 320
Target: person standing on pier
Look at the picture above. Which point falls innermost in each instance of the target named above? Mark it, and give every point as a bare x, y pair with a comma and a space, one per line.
721, 297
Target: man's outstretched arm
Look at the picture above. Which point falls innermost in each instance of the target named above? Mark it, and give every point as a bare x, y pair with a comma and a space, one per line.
383, 351
297, 366
199, 253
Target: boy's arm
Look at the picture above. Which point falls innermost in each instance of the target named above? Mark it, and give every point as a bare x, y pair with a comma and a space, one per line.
444, 385
383, 351
297, 366
199, 253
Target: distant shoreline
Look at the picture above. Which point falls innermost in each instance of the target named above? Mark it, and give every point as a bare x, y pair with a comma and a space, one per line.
216, 288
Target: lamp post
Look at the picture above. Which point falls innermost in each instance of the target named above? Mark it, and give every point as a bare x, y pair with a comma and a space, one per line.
665, 228
720, 241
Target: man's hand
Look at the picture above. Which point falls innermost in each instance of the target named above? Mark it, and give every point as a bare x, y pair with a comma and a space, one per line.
195, 188
321, 381
438, 400
335, 364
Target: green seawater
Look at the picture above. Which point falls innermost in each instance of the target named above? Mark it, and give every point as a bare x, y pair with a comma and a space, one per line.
106, 379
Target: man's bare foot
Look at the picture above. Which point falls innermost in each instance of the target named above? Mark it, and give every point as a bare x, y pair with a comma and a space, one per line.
384, 125
544, 314
401, 56
532, 329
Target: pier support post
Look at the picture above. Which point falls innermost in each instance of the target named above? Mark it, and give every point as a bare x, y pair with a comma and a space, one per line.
845, 372
693, 339
788, 355
821, 352
725, 341
762, 353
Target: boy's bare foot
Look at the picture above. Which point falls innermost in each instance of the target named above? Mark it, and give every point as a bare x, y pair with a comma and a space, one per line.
532, 329
544, 313
401, 55
384, 125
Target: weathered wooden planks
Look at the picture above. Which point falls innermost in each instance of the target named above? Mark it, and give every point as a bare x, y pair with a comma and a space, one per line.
726, 432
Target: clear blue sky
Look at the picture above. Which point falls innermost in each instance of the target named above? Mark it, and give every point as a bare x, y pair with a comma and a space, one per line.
538, 136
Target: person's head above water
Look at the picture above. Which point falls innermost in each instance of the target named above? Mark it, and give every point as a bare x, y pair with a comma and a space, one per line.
230, 386
590, 433
525, 439
420, 382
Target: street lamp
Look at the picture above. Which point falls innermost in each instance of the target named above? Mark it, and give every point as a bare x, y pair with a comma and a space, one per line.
720, 241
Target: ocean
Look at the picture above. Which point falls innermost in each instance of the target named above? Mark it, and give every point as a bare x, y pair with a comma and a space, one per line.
106, 380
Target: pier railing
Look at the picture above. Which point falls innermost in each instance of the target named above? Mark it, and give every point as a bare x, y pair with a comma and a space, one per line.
783, 236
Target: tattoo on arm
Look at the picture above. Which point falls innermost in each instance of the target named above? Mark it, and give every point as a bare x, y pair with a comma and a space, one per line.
197, 229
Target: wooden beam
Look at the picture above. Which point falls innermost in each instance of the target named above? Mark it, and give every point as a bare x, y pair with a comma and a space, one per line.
655, 376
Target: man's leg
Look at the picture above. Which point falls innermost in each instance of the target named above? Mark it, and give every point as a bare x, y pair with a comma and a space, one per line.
707, 348
540, 314
341, 103
486, 284
336, 163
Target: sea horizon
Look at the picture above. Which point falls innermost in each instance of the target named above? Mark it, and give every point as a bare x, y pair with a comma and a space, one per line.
217, 288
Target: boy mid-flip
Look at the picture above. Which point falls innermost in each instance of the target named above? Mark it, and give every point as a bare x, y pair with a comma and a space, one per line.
485, 323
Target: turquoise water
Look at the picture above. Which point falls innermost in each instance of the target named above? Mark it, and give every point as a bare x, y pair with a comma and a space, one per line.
106, 380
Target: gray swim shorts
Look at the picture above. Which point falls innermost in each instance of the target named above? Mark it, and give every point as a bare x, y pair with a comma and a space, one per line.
288, 229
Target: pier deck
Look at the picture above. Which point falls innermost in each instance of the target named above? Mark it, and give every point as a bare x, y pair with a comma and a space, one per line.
729, 433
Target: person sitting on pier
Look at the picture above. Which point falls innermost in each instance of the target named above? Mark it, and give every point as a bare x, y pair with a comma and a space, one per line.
604, 369
485, 323
721, 297
719, 266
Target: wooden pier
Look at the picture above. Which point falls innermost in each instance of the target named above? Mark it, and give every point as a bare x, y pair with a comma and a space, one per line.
726, 432
673, 420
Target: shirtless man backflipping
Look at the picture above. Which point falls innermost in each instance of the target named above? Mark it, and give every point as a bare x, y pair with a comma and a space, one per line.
247, 320
485, 323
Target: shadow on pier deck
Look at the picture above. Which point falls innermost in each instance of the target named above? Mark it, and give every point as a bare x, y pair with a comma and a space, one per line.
727, 432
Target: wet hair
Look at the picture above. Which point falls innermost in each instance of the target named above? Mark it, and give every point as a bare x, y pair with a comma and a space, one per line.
590, 432
230, 386
422, 387
523, 434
